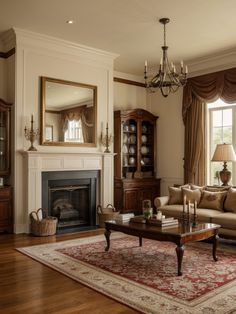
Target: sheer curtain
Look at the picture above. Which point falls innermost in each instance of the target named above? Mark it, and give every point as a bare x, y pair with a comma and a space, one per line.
197, 92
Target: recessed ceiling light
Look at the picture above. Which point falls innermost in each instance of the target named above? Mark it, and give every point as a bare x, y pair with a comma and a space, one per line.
70, 22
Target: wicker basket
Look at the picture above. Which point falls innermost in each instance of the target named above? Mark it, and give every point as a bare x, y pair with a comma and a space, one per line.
42, 226
107, 213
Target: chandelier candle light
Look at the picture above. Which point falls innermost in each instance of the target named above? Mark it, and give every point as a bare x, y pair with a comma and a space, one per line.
166, 79
31, 134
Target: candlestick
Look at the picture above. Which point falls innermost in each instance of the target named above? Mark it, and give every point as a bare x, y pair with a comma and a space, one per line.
31, 134
184, 203
195, 214
106, 140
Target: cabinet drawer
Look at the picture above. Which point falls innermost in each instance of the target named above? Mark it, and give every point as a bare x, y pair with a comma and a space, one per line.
4, 211
5, 193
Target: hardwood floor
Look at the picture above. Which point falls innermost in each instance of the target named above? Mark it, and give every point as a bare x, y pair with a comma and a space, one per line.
27, 286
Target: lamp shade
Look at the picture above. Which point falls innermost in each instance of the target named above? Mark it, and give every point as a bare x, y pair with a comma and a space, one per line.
224, 152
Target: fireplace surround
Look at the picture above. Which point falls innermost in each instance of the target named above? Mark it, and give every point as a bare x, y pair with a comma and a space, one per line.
37, 163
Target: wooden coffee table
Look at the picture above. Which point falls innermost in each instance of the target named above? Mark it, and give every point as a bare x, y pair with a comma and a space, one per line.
179, 235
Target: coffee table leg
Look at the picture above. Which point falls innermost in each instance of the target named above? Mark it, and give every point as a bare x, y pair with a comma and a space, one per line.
215, 244
107, 234
140, 241
180, 253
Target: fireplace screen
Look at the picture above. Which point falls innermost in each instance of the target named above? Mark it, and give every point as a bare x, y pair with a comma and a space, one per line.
69, 205
71, 197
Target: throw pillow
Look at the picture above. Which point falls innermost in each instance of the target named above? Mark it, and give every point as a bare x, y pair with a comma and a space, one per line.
212, 200
192, 195
176, 194
217, 189
230, 202
197, 187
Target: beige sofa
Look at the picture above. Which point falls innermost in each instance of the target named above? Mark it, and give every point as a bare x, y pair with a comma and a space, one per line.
224, 215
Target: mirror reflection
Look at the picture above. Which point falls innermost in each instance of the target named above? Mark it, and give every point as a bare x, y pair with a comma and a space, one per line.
68, 113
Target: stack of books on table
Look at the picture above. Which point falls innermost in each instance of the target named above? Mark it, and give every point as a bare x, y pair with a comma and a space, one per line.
124, 217
139, 219
165, 222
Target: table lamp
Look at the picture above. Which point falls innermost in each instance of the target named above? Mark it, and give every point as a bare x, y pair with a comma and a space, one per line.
224, 152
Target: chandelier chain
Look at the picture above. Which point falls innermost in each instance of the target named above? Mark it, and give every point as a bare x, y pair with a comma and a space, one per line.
164, 34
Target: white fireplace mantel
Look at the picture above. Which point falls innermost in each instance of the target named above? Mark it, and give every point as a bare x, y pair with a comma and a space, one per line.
37, 162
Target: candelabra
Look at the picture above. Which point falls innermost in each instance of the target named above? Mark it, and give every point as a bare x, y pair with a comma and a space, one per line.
186, 214
106, 140
31, 134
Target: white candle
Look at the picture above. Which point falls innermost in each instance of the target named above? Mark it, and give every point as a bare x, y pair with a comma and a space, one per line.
184, 203
145, 63
186, 69
182, 63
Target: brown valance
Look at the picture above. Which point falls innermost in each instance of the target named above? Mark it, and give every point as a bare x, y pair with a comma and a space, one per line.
197, 92
209, 87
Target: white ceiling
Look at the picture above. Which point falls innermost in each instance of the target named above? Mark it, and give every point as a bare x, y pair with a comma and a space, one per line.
130, 28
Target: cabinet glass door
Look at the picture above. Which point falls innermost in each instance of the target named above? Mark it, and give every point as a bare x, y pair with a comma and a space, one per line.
147, 149
129, 148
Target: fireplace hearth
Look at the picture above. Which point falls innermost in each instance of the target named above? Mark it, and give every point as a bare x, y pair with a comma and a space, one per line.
71, 197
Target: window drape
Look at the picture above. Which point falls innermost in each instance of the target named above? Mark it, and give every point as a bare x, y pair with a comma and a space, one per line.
70, 115
87, 119
197, 92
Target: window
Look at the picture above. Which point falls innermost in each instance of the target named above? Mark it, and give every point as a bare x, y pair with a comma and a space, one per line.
222, 129
74, 132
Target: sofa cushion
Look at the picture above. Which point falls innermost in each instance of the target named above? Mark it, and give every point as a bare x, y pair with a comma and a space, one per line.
206, 215
176, 194
203, 214
197, 187
230, 202
192, 195
212, 200
172, 210
226, 220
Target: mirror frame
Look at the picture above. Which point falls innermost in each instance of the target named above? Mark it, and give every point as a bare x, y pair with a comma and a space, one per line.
43, 141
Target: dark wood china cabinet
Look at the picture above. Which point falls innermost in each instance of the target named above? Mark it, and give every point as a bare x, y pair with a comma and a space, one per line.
6, 212
135, 162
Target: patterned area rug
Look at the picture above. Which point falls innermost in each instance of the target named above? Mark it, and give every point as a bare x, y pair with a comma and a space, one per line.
145, 278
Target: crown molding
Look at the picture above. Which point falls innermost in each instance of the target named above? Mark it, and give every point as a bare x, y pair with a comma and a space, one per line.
8, 41
37, 40
212, 63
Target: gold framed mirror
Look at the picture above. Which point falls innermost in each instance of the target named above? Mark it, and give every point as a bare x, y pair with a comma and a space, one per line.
68, 113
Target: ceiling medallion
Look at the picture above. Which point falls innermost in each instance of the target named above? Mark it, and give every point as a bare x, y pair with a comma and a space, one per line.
167, 79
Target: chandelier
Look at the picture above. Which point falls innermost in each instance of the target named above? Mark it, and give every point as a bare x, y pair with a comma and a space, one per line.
167, 79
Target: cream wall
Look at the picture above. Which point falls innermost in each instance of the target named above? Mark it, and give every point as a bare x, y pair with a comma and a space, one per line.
170, 137
38, 55
128, 96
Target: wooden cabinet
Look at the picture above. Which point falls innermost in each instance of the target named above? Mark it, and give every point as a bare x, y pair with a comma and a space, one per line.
6, 217
135, 162
6, 212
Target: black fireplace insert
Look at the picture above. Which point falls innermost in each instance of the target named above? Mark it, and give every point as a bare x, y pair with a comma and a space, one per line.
71, 197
